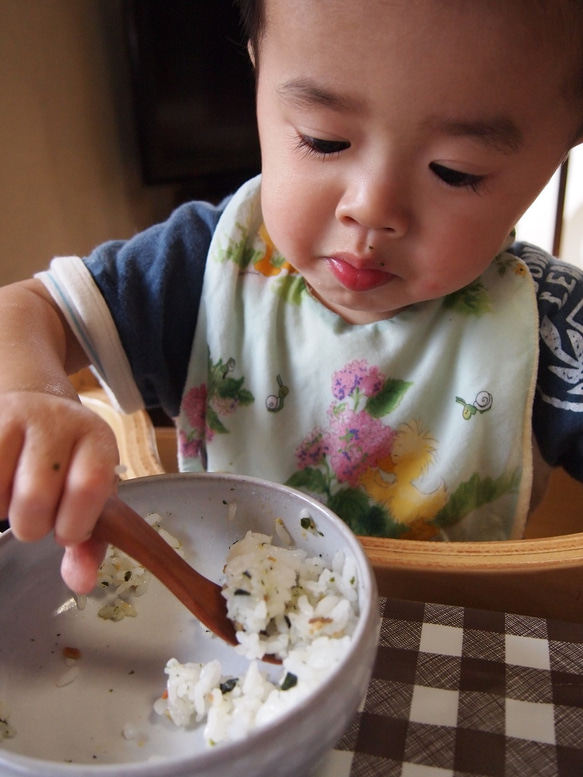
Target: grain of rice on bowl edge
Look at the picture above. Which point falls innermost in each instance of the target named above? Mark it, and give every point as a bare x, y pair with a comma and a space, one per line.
283, 603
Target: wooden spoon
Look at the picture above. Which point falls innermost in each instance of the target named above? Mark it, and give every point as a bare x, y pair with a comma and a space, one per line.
121, 526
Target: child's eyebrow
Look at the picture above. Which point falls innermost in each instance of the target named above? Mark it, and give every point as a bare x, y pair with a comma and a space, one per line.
303, 92
499, 132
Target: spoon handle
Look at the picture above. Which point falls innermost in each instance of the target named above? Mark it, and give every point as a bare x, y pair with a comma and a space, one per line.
121, 526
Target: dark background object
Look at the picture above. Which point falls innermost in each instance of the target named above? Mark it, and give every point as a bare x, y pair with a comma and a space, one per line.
194, 95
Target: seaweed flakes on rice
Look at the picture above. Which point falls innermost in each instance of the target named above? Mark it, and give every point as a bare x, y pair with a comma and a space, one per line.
122, 578
279, 598
283, 603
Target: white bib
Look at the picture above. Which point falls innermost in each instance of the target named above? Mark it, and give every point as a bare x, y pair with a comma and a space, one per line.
418, 426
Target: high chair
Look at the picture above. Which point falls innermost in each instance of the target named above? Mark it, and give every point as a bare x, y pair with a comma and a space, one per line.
540, 575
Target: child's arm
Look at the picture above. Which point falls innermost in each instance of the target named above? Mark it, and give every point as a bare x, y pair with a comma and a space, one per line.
57, 459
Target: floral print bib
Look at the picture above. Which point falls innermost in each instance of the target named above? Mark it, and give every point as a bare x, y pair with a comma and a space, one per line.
415, 427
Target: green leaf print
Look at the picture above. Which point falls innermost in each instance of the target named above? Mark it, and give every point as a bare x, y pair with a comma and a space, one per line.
225, 394
214, 422
364, 518
387, 399
290, 288
240, 252
231, 388
472, 300
352, 506
475, 492
504, 262
311, 479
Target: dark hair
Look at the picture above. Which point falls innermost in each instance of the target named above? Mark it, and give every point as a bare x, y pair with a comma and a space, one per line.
253, 21
569, 14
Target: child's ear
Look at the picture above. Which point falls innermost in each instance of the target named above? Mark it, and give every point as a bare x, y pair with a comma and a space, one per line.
251, 52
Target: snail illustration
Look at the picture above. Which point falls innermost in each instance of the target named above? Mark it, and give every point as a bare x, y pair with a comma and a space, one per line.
228, 367
481, 403
274, 402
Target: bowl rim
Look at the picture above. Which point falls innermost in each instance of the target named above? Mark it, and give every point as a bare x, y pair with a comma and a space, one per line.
362, 643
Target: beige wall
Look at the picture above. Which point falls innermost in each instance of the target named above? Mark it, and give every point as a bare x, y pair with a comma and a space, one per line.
69, 176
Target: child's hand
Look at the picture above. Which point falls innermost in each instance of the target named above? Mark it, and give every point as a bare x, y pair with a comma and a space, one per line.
57, 468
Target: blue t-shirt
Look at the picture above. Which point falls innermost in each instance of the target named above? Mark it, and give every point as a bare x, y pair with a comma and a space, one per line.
152, 285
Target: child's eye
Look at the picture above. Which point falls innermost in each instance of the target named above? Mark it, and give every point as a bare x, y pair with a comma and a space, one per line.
456, 178
321, 147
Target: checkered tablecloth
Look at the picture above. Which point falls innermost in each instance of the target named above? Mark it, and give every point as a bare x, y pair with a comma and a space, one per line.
458, 692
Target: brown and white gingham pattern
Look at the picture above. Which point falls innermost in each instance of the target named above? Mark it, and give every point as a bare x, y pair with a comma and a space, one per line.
458, 692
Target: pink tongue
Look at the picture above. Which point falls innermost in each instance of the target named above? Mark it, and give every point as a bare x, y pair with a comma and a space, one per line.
357, 280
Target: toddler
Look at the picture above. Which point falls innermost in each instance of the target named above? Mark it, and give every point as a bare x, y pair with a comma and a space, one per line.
357, 322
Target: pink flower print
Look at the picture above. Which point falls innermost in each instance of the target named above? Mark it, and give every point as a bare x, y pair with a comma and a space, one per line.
224, 405
355, 379
372, 382
356, 442
191, 448
194, 407
313, 449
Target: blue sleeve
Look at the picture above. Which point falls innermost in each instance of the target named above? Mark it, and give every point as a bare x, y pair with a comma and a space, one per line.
558, 404
152, 285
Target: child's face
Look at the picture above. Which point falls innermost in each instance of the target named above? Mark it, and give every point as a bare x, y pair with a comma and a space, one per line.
401, 141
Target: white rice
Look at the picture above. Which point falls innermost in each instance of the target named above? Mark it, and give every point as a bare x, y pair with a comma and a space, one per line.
122, 578
68, 677
282, 603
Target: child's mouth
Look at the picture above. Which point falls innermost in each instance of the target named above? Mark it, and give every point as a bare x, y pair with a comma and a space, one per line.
357, 279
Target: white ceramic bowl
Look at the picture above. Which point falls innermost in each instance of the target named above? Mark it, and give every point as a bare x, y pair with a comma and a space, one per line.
76, 729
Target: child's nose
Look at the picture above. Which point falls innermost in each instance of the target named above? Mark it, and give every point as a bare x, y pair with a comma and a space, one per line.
375, 200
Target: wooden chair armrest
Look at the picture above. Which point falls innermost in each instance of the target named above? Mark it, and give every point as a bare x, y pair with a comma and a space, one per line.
134, 432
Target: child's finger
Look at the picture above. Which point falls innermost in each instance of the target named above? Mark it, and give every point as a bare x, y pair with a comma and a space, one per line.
91, 480
10, 447
36, 488
64, 472
80, 564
